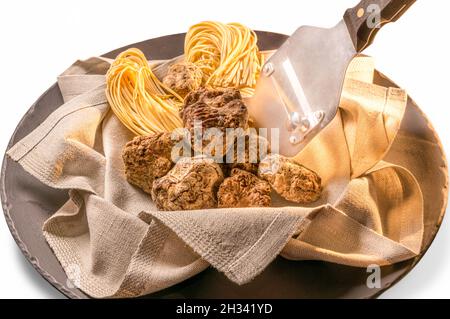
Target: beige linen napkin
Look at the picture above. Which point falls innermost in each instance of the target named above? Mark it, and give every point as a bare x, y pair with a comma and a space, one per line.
112, 241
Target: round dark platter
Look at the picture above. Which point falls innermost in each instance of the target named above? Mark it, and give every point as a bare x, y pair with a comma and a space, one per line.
27, 203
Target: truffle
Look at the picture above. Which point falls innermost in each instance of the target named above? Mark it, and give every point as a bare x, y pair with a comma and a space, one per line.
191, 184
243, 189
183, 78
291, 180
215, 109
220, 110
147, 158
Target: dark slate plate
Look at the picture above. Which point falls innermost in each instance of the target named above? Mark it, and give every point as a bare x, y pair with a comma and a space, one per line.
27, 203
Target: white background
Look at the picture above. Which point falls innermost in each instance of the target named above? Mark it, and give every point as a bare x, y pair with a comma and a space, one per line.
39, 39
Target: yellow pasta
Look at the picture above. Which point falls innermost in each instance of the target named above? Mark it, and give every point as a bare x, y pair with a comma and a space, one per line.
138, 98
227, 54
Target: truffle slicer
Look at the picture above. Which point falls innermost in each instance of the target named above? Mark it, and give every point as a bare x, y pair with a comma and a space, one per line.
300, 86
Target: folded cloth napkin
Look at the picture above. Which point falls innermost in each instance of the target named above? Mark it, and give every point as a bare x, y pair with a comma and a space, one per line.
113, 242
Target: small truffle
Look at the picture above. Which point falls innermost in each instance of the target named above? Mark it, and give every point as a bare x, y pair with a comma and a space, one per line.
191, 184
183, 78
243, 189
147, 158
291, 180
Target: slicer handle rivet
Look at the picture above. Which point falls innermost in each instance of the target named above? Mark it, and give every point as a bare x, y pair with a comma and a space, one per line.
360, 12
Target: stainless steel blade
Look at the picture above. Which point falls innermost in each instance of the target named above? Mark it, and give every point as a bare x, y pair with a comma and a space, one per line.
300, 87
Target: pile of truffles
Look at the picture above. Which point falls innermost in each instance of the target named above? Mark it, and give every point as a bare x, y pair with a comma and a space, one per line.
199, 182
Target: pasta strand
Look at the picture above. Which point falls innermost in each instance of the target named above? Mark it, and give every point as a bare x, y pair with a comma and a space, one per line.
138, 98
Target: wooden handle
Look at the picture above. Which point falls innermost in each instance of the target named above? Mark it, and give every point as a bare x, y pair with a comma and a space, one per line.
366, 19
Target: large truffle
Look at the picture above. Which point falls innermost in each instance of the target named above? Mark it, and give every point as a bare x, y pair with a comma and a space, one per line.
291, 180
183, 78
147, 158
191, 184
215, 109
243, 189
211, 113
248, 151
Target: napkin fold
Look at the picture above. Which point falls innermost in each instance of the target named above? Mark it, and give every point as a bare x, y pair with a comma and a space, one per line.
113, 242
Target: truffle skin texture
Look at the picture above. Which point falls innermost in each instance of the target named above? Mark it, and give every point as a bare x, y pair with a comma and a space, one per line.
215, 109
253, 147
291, 180
244, 189
191, 184
183, 78
147, 158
